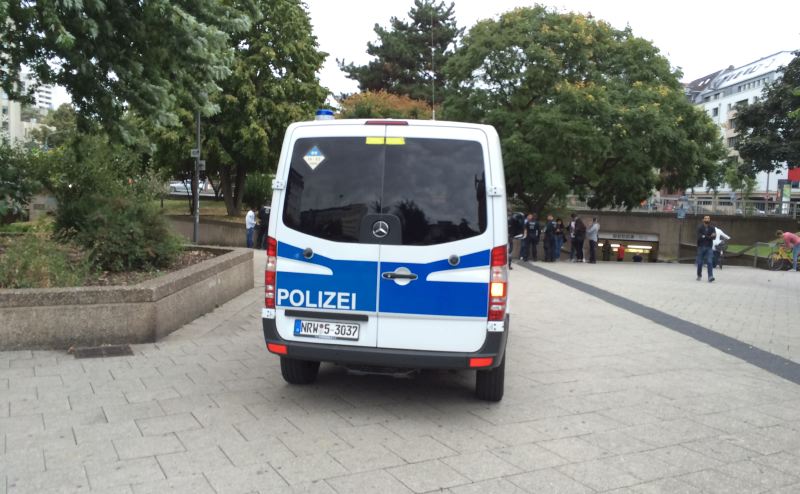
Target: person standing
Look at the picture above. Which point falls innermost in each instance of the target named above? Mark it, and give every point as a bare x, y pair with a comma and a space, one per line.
621, 253
592, 234
579, 237
550, 239
250, 225
705, 244
790, 241
262, 228
560, 238
571, 231
514, 231
719, 246
531, 237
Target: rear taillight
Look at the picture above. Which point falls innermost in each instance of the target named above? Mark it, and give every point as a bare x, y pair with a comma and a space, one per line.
498, 284
269, 273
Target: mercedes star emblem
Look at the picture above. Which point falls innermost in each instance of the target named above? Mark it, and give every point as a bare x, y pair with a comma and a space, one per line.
380, 229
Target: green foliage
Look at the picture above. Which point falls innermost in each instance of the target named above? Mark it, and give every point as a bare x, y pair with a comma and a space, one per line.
17, 182
402, 54
769, 130
258, 190
383, 105
150, 57
36, 261
272, 83
580, 107
59, 126
123, 233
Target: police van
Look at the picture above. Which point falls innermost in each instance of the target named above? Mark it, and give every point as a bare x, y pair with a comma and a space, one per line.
387, 247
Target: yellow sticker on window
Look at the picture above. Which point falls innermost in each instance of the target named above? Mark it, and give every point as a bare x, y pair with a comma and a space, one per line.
375, 140
395, 141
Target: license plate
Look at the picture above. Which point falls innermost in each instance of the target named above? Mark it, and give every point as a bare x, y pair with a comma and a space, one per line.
327, 329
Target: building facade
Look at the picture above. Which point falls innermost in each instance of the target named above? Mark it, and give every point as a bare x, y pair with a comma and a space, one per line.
722, 92
43, 94
11, 128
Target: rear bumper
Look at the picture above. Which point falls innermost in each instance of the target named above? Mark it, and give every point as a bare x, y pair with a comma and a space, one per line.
494, 346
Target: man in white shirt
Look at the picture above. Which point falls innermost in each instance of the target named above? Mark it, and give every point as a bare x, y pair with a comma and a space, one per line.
250, 224
719, 244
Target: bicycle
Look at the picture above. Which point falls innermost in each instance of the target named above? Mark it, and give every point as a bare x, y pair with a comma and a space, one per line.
780, 260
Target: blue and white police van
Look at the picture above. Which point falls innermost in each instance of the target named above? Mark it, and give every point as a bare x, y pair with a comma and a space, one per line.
387, 247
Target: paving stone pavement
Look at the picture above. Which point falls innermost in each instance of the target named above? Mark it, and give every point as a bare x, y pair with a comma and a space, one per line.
598, 399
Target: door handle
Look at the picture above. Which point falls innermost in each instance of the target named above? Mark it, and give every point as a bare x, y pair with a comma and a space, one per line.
399, 276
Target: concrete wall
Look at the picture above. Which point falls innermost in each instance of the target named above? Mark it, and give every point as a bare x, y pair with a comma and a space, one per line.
89, 316
211, 232
672, 231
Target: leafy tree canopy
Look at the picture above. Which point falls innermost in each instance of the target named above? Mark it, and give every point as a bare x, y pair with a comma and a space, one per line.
580, 107
272, 83
769, 130
383, 105
403, 53
149, 56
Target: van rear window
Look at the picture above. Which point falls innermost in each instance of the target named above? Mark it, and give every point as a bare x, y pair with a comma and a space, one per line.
436, 187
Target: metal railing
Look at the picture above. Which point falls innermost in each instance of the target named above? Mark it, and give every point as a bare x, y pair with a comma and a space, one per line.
694, 205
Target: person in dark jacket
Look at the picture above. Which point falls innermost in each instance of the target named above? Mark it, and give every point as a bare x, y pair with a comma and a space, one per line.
561, 237
549, 239
706, 234
531, 237
262, 228
514, 229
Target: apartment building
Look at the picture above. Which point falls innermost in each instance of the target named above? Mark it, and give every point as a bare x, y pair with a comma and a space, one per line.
722, 92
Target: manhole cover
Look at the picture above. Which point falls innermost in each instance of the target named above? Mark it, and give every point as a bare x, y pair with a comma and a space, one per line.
103, 351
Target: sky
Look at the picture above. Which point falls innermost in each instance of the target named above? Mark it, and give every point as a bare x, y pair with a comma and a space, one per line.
700, 37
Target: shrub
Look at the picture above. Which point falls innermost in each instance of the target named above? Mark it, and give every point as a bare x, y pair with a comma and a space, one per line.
123, 233
35, 261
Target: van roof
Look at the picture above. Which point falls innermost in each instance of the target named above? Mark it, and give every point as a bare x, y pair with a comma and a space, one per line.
396, 121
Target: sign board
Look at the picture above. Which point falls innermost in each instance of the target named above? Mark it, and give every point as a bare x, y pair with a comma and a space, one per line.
194, 153
201, 165
640, 237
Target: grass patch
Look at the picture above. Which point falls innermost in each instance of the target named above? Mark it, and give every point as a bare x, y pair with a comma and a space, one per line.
209, 208
37, 261
760, 251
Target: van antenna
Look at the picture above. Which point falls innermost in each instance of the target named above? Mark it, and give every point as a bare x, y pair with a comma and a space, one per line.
433, 70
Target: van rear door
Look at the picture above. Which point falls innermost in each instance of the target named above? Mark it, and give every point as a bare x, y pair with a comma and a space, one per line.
434, 275
326, 274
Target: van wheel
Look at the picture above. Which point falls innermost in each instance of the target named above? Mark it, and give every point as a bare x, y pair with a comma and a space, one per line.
489, 384
299, 371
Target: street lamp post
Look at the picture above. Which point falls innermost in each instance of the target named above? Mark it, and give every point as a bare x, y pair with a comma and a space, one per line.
196, 185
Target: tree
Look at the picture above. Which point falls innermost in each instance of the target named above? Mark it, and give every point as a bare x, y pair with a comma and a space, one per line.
150, 57
273, 83
403, 53
580, 107
769, 130
383, 105
58, 126
17, 183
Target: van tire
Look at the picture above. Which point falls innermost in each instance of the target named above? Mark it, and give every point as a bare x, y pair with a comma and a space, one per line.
299, 371
490, 384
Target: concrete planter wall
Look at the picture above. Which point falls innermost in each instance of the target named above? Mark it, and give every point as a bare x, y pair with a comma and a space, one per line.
211, 232
58, 318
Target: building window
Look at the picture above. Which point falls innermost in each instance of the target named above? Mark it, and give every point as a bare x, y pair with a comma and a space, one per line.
716, 96
714, 112
732, 124
733, 141
707, 98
